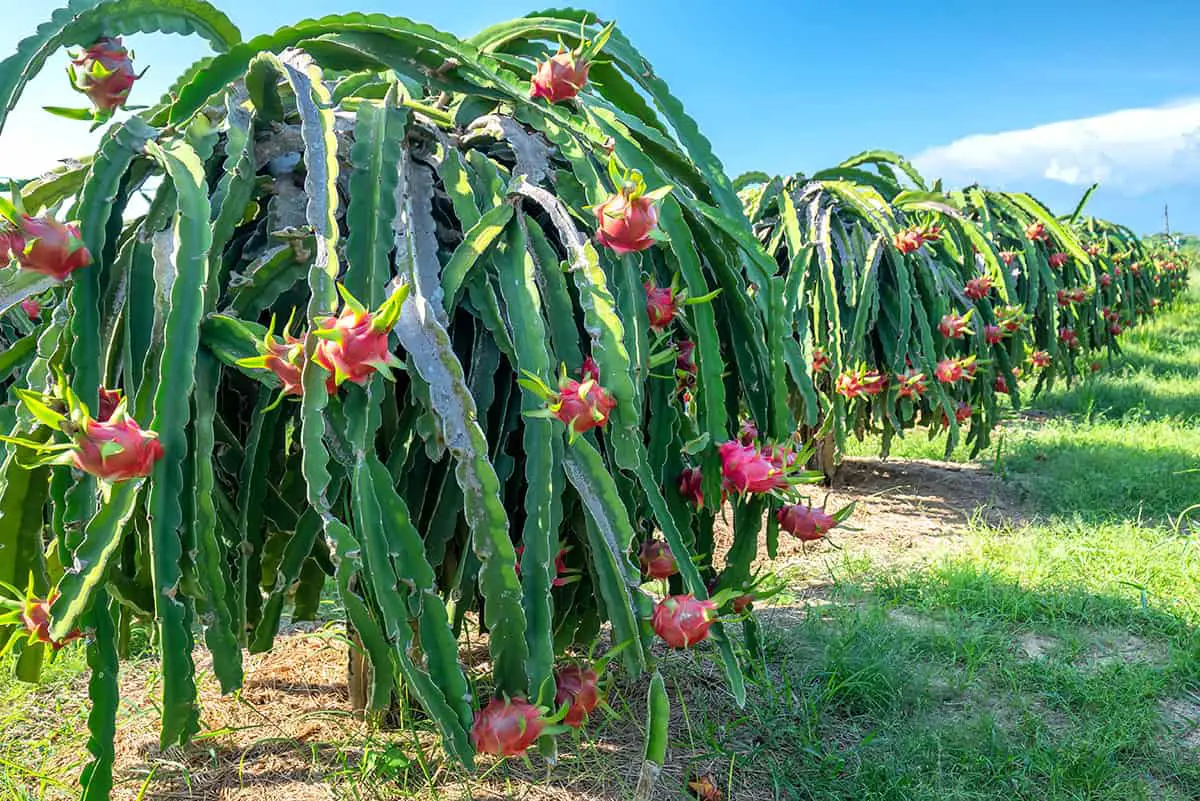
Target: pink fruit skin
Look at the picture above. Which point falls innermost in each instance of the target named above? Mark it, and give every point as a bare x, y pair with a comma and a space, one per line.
804, 522
46, 246
584, 413
624, 225
978, 288
992, 334
577, 687
32, 308
137, 457
948, 371
747, 470
691, 481
559, 77
590, 370
283, 359
357, 351
506, 728
656, 560
109, 87
36, 618
682, 620
660, 306
109, 400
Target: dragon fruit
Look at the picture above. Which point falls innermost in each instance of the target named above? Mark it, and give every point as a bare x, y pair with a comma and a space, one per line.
661, 306
820, 361
682, 620
691, 481
44, 245
656, 560
978, 288
953, 326
908, 241
1068, 337
1057, 260
804, 522
560, 77
32, 309
1008, 257
911, 384
1001, 385
1039, 359
506, 727
992, 334
856, 383
626, 221
104, 72
577, 687
583, 406
747, 470
590, 371
1036, 232
35, 617
116, 449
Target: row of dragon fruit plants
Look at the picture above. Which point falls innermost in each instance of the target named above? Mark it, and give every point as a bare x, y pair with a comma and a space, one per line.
532, 353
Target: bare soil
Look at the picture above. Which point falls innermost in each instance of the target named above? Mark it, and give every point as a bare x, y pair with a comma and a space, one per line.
909, 512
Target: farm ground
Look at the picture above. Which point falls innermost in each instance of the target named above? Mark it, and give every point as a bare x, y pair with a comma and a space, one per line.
1023, 626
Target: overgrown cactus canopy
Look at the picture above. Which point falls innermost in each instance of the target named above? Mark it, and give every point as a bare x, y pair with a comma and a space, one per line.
457, 326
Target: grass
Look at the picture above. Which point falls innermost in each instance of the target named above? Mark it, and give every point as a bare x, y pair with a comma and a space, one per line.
1057, 659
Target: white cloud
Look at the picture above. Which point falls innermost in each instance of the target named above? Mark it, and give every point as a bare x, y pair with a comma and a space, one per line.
1133, 151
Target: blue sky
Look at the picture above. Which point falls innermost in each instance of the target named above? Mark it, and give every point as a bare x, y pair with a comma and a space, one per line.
1042, 96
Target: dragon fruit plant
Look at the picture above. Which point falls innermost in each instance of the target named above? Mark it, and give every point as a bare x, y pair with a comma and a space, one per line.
883, 276
523, 302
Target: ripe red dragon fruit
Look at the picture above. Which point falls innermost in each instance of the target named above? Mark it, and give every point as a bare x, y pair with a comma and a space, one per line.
911, 384
992, 334
1001, 385
1063, 298
804, 522
354, 345
685, 357
1036, 232
682, 620
1008, 256
110, 399
820, 361
661, 306
44, 245
1115, 329
582, 406
35, 617
32, 309
560, 77
626, 221
742, 603
931, 233
908, 241
1093, 250
578, 688
1011, 318
562, 573
953, 326
949, 371
506, 727
1057, 260
1135, 268
1068, 337
1039, 359
116, 449
746, 469
856, 383
748, 432
656, 560
1096, 367
104, 72
978, 288
691, 482
963, 412
1077, 295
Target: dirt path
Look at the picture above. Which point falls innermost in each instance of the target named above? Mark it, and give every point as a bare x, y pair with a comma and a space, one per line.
907, 512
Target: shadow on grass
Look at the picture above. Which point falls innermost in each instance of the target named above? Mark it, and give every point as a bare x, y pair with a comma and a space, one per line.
1108, 473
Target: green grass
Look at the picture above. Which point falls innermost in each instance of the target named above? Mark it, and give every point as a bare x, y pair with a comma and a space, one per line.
1048, 660
1043, 661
